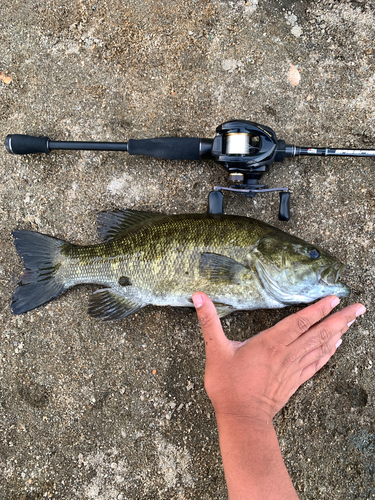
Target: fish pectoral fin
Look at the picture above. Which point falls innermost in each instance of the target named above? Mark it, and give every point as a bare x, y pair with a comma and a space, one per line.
220, 268
223, 309
112, 225
108, 305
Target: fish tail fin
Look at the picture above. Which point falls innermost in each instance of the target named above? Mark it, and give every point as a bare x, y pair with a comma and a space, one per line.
38, 282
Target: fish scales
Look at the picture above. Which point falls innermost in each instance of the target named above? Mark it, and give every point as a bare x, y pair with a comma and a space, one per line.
160, 259
160, 249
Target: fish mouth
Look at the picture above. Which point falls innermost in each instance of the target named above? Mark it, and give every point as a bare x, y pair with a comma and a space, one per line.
330, 275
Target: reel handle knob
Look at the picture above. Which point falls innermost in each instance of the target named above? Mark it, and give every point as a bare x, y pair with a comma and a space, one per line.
284, 208
215, 203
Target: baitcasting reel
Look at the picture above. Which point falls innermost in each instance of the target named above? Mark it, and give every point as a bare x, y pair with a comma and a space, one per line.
244, 148
247, 150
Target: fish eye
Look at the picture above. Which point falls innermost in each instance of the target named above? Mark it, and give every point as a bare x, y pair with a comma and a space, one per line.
314, 253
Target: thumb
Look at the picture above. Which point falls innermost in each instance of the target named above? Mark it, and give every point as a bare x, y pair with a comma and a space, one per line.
213, 334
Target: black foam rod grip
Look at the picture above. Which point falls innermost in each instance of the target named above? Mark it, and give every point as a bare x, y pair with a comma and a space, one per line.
26, 144
167, 148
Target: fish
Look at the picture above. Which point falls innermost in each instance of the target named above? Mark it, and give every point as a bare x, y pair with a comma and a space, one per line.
147, 258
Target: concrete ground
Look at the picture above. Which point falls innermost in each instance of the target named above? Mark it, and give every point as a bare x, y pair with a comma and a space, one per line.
93, 410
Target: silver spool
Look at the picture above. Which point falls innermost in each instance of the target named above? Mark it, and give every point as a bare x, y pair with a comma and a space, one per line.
237, 143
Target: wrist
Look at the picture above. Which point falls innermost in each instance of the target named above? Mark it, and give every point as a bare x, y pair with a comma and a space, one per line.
256, 409
256, 421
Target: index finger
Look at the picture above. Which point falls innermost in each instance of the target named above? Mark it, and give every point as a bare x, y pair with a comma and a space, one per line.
292, 327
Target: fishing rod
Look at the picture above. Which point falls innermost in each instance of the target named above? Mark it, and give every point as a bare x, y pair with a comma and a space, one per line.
245, 149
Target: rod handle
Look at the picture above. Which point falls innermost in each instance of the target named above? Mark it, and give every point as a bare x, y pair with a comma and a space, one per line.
167, 148
19, 144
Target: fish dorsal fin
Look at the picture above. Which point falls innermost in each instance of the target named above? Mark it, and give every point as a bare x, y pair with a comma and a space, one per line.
220, 268
108, 305
112, 225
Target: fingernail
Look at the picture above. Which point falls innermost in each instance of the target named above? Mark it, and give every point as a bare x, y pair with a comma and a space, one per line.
338, 343
335, 302
360, 311
198, 300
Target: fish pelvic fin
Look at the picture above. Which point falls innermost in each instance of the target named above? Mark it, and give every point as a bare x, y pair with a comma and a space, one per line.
112, 225
223, 309
108, 305
38, 282
222, 269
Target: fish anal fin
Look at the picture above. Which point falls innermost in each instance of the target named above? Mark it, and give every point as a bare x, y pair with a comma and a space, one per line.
219, 268
111, 225
108, 305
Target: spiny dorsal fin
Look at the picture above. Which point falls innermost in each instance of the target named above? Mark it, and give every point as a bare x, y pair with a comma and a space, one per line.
221, 269
108, 305
112, 225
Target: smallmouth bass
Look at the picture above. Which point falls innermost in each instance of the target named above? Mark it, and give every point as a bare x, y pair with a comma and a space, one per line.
156, 259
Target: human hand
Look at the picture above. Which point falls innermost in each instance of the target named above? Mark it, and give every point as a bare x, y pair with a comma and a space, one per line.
256, 378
